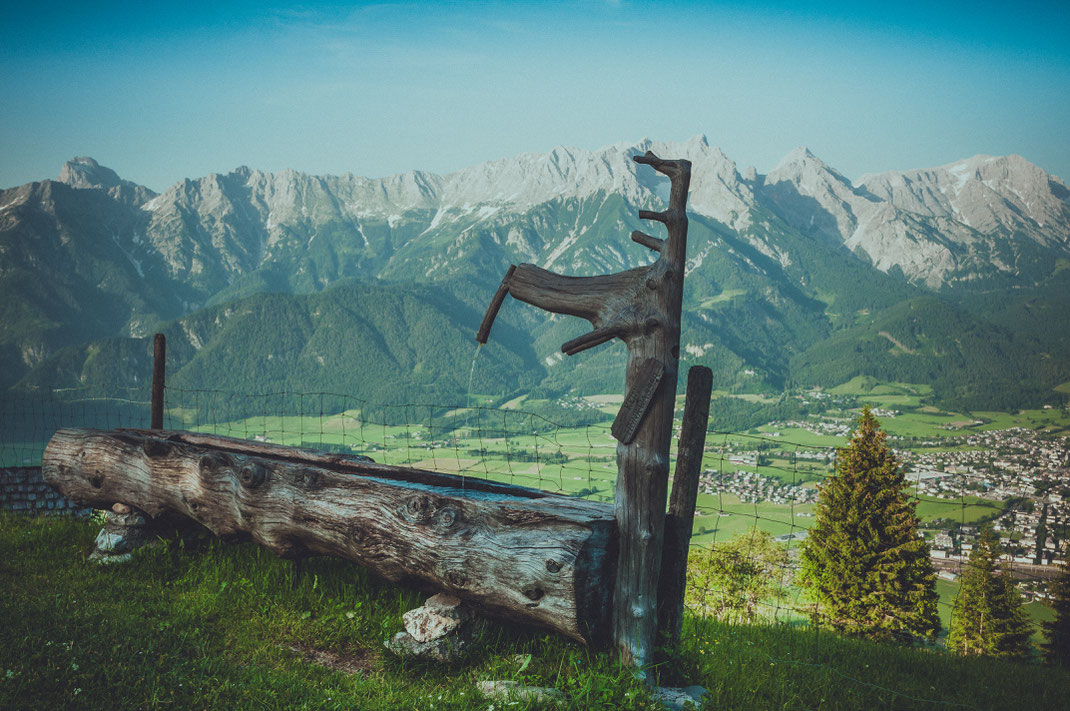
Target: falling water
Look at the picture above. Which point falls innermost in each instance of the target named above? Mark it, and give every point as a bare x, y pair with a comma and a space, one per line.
471, 374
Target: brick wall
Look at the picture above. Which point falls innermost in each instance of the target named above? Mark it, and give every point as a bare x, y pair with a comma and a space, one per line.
22, 490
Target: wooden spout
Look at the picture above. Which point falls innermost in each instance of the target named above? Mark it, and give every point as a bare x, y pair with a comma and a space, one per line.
496, 303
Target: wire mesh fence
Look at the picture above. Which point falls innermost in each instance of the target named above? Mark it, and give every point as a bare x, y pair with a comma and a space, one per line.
29, 418
756, 498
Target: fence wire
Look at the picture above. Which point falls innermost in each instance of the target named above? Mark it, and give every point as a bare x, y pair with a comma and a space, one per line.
756, 492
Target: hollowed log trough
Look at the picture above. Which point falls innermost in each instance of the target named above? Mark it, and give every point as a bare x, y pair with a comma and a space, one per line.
520, 553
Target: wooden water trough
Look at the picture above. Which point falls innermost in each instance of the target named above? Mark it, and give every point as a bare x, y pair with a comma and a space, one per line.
598, 573
529, 555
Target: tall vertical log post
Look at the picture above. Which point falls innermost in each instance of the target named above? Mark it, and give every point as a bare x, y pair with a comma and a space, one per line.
159, 363
681, 517
641, 307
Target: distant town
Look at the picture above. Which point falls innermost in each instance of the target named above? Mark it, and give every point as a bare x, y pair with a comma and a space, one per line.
1020, 475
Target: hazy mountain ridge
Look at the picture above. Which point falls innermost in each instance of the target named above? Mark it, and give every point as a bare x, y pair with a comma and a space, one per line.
777, 263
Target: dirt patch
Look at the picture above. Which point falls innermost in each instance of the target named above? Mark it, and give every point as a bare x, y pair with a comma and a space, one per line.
361, 661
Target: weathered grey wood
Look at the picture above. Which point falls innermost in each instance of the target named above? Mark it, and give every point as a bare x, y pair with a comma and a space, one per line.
637, 402
641, 307
159, 365
680, 519
531, 556
602, 300
648, 241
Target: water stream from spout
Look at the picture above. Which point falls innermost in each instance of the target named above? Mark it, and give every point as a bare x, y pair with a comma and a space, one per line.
471, 374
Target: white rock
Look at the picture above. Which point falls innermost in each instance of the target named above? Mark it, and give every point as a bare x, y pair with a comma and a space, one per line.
441, 615
111, 542
515, 690
447, 650
676, 699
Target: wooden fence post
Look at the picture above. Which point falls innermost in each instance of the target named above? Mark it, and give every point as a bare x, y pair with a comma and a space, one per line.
159, 362
681, 517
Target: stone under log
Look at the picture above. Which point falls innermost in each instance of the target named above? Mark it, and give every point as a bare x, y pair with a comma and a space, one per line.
534, 557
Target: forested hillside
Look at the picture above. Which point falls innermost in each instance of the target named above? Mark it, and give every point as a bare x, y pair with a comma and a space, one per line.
375, 287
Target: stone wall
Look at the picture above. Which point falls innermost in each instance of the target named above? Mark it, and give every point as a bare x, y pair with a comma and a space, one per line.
22, 490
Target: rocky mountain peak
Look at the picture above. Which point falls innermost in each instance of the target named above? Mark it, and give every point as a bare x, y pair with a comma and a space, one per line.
814, 198
797, 157
84, 172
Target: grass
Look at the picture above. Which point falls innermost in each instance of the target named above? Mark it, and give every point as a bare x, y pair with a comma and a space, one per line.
1054, 421
722, 516
213, 626
963, 509
232, 627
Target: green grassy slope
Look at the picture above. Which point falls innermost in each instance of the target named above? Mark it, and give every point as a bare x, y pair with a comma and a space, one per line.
211, 626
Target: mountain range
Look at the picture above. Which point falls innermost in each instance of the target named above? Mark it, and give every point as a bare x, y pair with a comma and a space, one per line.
954, 276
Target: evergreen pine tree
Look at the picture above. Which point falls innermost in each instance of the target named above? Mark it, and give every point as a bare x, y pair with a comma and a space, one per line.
1057, 648
988, 618
863, 562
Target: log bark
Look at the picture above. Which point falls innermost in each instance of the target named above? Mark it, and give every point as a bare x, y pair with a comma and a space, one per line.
521, 553
680, 519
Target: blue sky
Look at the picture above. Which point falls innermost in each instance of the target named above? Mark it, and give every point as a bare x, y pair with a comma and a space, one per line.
164, 93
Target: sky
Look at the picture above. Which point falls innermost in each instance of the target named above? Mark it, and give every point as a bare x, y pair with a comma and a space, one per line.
162, 93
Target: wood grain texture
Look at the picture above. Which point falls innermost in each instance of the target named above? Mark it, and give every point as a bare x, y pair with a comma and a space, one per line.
159, 375
495, 304
643, 465
531, 556
680, 519
641, 307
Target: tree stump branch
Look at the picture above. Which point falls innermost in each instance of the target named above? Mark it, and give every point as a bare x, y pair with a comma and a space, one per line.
642, 308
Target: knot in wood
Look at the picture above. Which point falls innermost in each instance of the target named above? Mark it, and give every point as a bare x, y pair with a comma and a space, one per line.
354, 531
448, 517
252, 475
211, 462
308, 479
656, 465
456, 578
534, 594
419, 509
155, 448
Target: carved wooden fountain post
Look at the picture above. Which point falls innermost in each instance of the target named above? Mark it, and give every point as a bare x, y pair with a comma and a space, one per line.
641, 307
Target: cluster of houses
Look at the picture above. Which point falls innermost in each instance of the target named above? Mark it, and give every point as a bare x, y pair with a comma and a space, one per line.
752, 487
1023, 475
821, 427
1026, 477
